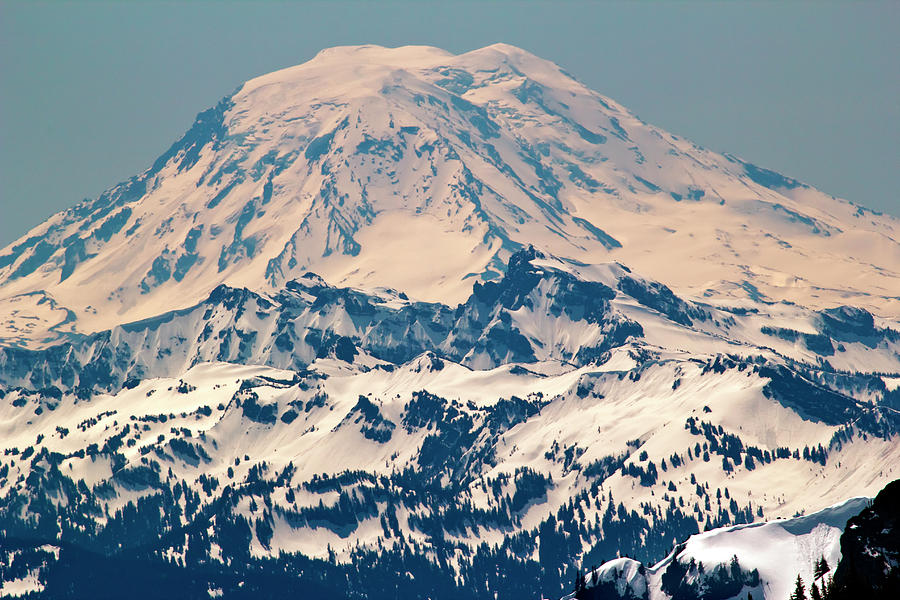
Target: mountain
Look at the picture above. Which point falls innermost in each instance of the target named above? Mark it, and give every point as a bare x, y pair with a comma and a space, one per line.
397, 323
561, 415
542, 309
419, 170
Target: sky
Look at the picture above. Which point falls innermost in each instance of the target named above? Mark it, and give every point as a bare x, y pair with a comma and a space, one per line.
91, 92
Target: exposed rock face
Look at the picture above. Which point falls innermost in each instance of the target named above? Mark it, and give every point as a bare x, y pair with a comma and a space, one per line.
870, 549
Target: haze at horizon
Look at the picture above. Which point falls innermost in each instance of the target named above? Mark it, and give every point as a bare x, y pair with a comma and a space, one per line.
94, 92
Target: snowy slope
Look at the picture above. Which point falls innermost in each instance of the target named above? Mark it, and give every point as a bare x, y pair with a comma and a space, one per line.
777, 551
336, 458
559, 381
611, 362
559, 426
541, 309
416, 169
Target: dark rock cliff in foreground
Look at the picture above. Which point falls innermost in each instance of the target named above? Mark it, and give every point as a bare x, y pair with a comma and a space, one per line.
870, 549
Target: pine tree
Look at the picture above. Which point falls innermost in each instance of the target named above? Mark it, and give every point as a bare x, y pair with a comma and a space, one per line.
814, 592
821, 568
579, 586
827, 588
799, 590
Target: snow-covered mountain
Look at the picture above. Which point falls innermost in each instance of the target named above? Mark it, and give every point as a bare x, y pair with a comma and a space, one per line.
401, 323
562, 414
542, 309
419, 170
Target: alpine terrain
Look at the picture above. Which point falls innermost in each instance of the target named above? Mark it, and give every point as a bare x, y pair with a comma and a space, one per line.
400, 323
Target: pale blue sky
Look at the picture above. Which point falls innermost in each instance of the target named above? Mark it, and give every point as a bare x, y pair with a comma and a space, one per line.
92, 92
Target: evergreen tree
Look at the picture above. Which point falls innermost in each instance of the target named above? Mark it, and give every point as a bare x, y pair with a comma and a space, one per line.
821, 568
814, 592
828, 588
799, 590
579, 586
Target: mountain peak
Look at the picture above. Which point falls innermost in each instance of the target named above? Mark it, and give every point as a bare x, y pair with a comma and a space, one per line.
522, 61
399, 55
416, 55
368, 67
415, 169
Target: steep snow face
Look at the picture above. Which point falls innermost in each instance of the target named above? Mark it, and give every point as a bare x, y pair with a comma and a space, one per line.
769, 557
419, 170
780, 550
